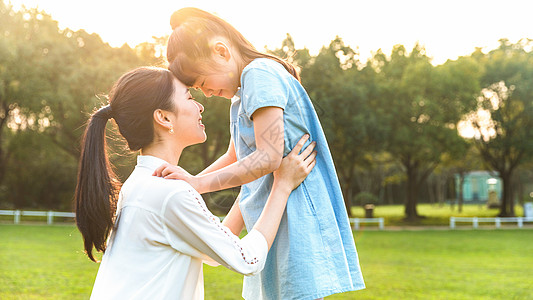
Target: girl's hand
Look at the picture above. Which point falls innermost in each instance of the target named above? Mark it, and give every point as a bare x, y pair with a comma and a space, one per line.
169, 171
296, 166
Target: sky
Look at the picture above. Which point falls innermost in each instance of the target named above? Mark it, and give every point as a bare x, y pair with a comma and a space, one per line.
447, 29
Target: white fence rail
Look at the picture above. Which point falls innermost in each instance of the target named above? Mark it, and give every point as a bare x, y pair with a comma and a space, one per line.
17, 214
497, 221
357, 221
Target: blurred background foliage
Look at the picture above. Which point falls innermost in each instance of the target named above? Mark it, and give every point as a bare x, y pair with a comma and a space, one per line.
394, 123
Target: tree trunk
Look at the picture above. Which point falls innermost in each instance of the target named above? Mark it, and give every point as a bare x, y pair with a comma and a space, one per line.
3, 163
348, 202
431, 191
347, 194
519, 189
347, 187
513, 195
461, 196
411, 213
389, 193
507, 204
441, 189
4, 114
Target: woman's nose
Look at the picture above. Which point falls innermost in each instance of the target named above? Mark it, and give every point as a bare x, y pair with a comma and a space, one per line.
200, 106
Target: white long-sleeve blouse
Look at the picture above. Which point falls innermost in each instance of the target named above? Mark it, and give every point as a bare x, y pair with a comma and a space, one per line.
163, 232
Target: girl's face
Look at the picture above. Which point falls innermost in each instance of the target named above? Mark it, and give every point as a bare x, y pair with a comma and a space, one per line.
187, 125
223, 84
223, 79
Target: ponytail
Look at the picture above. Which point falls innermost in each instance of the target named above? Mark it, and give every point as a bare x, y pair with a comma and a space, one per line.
133, 99
97, 187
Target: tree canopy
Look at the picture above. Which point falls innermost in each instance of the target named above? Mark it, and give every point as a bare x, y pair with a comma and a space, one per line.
504, 114
390, 121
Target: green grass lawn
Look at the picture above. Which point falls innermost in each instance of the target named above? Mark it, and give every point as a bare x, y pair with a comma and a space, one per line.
46, 262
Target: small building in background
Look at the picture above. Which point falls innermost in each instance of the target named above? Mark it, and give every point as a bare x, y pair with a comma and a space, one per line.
479, 186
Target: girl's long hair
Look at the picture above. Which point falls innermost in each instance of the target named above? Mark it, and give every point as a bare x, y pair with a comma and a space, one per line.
188, 51
132, 101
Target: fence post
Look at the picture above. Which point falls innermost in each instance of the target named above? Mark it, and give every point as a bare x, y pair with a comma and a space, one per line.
498, 223
381, 225
49, 217
474, 222
356, 223
452, 222
520, 222
17, 216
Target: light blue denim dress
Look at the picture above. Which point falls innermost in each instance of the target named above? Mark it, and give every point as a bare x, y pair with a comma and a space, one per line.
314, 253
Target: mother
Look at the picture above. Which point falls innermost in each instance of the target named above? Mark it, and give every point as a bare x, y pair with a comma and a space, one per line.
159, 231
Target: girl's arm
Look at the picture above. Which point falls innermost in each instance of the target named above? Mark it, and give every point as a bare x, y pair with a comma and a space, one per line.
194, 231
234, 219
269, 140
226, 159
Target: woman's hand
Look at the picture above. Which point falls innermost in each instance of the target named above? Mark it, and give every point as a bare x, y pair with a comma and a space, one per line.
293, 170
296, 166
169, 171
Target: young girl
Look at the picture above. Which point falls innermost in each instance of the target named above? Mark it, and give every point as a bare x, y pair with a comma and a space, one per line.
314, 254
162, 230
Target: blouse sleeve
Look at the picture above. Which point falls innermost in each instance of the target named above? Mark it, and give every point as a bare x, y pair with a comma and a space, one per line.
262, 88
192, 229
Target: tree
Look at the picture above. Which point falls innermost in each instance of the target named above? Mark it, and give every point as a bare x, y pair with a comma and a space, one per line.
49, 79
422, 106
18, 84
343, 91
463, 159
503, 118
38, 177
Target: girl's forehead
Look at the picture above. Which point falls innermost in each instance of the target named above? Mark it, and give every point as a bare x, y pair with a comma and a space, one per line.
180, 87
198, 82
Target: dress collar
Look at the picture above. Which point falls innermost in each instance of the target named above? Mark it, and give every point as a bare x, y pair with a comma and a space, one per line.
150, 162
237, 96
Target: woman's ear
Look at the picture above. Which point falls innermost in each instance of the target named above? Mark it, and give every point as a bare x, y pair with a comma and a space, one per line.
222, 50
163, 118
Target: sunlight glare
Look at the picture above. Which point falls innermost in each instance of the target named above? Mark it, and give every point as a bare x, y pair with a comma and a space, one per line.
447, 29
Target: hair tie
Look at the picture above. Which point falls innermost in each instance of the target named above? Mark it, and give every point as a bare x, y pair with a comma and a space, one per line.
105, 113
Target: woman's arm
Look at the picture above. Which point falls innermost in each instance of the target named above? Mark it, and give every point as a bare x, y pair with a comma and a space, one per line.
193, 230
293, 170
226, 159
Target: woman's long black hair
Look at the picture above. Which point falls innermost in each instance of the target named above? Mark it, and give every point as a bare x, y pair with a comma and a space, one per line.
132, 102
